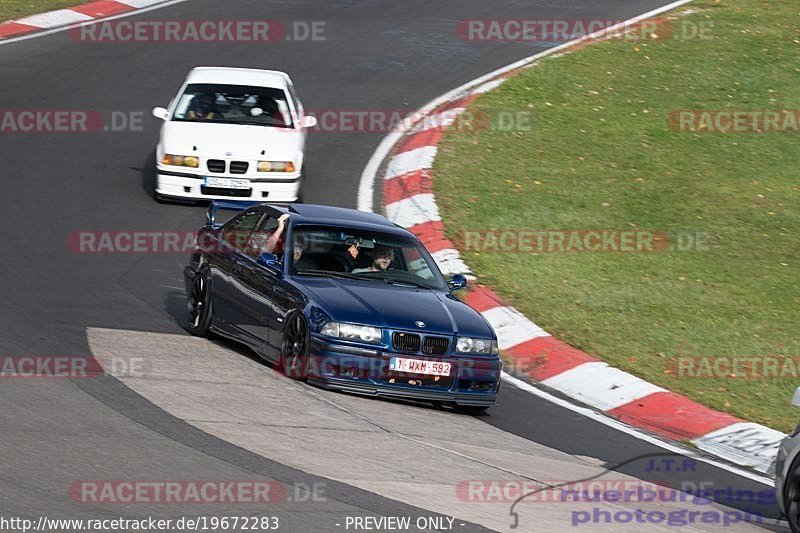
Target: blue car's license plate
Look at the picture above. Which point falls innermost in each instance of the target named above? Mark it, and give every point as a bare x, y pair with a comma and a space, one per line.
419, 366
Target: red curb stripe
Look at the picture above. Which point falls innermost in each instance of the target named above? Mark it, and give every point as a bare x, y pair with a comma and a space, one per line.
666, 414
673, 416
540, 358
102, 8
461, 102
432, 236
545, 357
418, 140
483, 298
431, 136
407, 185
10, 29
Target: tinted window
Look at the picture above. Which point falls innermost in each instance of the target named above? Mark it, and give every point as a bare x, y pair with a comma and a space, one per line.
367, 255
234, 104
261, 241
239, 230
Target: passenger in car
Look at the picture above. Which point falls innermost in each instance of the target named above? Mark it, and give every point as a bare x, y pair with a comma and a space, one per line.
202, 107
381, 260
301, 262
272, 243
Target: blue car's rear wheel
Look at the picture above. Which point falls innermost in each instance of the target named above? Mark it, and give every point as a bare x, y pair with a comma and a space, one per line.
295, 347
199, 306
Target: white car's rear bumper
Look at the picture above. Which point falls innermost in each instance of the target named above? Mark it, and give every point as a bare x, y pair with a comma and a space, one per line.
171, 184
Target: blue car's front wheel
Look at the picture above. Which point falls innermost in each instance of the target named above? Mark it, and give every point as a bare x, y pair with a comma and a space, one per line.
199, 306
295, 347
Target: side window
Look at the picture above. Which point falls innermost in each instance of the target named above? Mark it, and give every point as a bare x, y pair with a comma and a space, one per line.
298, 106
265, 240
238, 231
416, 264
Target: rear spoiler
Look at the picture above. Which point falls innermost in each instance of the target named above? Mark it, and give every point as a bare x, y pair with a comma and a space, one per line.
225, 205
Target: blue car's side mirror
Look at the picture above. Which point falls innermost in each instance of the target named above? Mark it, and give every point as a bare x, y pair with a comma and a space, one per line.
458, 281
270, 261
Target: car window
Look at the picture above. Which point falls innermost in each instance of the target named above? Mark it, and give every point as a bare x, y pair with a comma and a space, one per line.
234, 104
238, 231
298, 106
415, 263
260, 240
364, 254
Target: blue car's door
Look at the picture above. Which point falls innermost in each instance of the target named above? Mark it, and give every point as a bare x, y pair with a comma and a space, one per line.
225, 260
258, 315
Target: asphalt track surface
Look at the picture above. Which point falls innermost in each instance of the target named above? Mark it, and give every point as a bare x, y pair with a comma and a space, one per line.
376, 55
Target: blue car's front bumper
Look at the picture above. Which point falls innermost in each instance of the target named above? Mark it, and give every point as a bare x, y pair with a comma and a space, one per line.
474, 381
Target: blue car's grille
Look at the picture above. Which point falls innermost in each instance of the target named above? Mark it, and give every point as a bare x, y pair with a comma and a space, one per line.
435, 345
405, 342
411, 342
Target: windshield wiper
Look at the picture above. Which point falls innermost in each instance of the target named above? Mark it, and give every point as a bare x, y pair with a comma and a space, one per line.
406, 282
328, 273
346, 275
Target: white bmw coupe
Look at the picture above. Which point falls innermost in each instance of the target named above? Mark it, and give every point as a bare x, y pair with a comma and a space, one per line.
232, 133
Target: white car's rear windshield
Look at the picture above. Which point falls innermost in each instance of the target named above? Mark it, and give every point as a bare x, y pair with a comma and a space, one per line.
234, 104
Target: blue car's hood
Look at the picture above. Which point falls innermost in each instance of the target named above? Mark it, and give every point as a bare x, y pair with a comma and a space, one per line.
395, 307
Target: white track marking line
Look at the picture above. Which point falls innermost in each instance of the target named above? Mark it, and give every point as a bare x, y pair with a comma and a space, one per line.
512, 327
632, 431
366, 186
51, 31
411, 161
449, 262
601, 386
414, 210
488, 86
720, 442
51, 19
138, 3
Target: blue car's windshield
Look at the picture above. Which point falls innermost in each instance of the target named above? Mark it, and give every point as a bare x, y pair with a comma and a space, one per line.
381, 257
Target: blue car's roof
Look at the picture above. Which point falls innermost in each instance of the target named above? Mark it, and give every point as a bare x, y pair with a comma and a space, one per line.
321, 215
325, 215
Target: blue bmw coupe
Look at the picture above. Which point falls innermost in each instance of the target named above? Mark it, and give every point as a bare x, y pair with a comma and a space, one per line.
342, 298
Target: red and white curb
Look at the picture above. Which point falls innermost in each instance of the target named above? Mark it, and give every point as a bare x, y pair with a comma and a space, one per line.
409, 202
62, 18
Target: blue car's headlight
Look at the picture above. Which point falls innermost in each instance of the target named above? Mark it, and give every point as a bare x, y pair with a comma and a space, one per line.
476, 346
352, 332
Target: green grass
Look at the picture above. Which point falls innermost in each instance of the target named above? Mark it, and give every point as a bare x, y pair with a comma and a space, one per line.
14, 9
600, 154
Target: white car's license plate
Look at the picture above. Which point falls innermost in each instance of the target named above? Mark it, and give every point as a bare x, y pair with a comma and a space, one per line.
227, 183
418, 366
